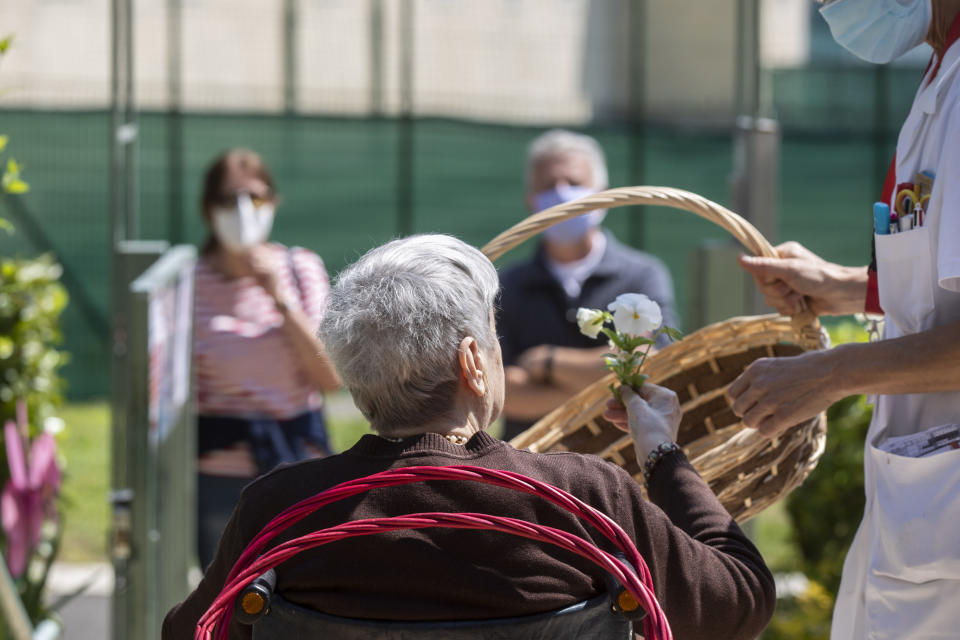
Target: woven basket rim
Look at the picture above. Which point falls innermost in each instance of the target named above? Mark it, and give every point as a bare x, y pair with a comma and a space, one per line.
782, 462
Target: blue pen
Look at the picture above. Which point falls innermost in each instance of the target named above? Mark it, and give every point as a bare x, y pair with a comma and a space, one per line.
881, 218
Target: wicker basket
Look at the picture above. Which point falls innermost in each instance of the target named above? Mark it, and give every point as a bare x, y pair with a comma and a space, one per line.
747, 471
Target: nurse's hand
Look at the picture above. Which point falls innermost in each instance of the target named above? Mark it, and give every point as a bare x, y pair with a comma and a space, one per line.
775, 393
652, 417
799, 273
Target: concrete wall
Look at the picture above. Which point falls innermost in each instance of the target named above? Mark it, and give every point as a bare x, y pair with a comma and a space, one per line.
524, 61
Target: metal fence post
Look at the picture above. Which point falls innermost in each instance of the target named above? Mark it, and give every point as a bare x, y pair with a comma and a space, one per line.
175, 121
637, 16
756, 142
405, 124
123, 128
376, 35
290, 42
123, 135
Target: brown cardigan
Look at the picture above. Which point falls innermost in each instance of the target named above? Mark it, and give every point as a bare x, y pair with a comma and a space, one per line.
709, 578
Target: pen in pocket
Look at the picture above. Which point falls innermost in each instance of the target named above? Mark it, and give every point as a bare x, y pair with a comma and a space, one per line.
881, 218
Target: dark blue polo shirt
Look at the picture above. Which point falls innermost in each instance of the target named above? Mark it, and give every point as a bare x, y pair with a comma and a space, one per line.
534, 309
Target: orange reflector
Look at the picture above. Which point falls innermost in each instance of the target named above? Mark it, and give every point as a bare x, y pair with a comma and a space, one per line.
252, 603
627, 602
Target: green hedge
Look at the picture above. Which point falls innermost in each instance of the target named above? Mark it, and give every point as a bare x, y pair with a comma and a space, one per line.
31, 301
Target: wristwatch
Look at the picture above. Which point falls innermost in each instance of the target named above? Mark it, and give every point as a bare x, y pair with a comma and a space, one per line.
548, 366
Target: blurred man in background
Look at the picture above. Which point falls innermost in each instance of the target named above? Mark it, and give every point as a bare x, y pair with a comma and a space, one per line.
576, 265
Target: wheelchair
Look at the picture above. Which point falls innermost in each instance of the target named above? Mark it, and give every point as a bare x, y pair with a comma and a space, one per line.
629, 603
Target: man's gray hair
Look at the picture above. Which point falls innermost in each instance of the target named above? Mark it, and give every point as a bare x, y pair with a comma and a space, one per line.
560, 141
394, 324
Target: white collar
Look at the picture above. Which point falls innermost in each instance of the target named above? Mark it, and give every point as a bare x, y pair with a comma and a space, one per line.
587, 263
572, 275
928, 97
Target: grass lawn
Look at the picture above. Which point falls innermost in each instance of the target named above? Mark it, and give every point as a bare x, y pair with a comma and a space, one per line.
85, 445
771, 531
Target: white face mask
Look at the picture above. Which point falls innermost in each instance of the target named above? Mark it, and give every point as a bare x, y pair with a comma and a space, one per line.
878, 30
573, 230
244, 226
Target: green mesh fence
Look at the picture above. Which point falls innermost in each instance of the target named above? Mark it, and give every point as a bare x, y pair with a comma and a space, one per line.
338, 179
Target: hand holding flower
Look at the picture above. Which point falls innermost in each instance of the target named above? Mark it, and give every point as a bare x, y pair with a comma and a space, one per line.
636, 323
652, 417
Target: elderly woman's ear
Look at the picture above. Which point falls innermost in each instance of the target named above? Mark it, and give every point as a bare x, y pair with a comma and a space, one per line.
472, 365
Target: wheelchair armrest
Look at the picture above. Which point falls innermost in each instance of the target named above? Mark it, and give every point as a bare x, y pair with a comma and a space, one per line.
254, 600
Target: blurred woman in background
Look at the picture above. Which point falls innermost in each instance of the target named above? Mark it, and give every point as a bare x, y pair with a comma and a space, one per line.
259, 365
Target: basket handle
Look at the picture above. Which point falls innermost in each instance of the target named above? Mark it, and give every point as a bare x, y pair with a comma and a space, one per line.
744, 232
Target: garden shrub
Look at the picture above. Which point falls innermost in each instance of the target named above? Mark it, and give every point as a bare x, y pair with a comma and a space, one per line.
31, 301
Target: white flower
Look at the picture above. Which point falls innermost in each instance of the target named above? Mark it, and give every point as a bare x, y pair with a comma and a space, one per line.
590, 321
635, 314
54, 425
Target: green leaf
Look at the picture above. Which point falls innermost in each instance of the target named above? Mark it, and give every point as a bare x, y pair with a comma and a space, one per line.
15, 186
675, 334
616, 392
5, 44
616, 338
5, 225
4, 139
6, 347
11, 182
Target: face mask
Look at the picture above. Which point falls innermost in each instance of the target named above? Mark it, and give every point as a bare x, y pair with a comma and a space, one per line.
573, 230
243, 226
878, 30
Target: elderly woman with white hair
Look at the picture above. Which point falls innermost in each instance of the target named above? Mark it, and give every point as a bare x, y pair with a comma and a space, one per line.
410, 327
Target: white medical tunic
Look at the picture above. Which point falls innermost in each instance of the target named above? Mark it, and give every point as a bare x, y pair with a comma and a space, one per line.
901, 577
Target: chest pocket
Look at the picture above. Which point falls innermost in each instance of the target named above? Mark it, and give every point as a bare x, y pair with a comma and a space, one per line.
905, 279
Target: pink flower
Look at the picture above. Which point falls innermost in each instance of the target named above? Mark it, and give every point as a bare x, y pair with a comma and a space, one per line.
29, 495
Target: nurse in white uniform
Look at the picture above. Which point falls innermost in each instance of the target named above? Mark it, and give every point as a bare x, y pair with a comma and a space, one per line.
901, 578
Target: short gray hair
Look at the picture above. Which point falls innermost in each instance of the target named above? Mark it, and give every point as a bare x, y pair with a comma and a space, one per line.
394, 324
559, 141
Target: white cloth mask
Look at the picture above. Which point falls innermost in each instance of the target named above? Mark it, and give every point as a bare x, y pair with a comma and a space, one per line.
878, 30
569, 231
244, 226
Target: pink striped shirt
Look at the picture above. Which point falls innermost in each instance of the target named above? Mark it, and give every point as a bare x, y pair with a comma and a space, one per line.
244, 364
